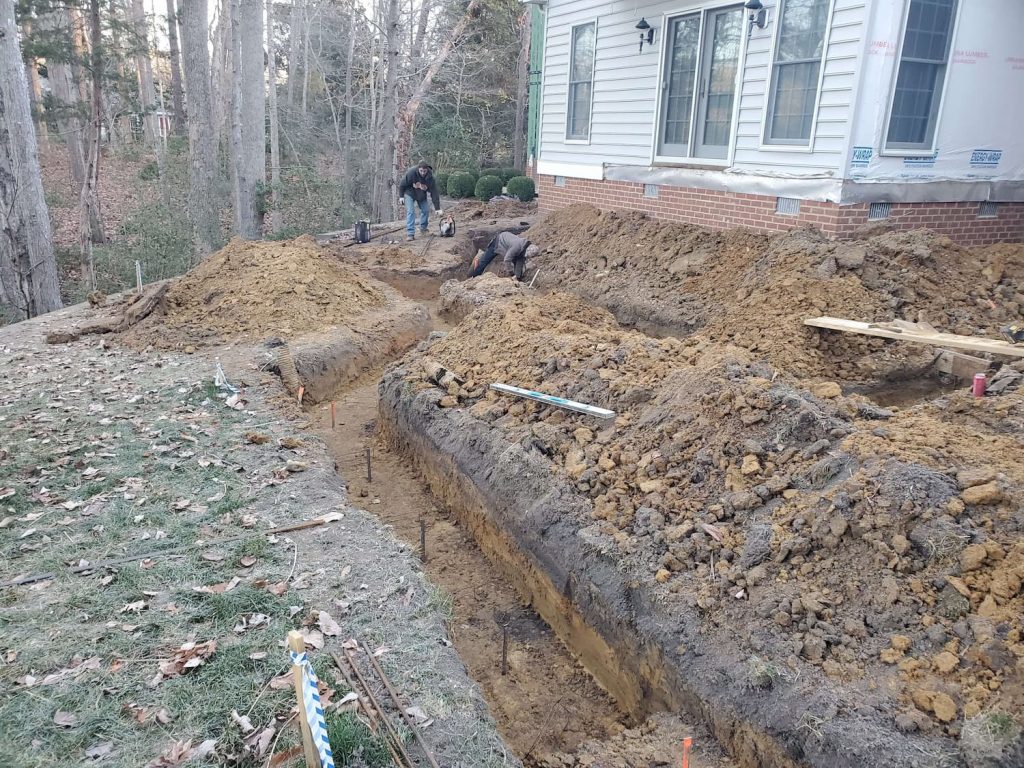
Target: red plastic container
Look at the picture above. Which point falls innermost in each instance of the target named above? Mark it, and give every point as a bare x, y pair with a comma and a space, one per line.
979, 385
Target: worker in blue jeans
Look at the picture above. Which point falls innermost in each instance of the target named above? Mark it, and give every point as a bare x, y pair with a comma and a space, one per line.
414, 189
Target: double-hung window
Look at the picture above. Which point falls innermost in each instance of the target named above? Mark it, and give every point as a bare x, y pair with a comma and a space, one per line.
796, 71
581, 81
924, 58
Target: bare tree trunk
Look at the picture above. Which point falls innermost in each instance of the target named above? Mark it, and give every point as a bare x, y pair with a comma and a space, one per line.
276, 221
405, 120
202, 149
66, 95
248, 116
223, 80
305, 62
89, 215
147, 93
386, 204
35, 92
522, 91
177, 97
294, 41
346, 150
28, 269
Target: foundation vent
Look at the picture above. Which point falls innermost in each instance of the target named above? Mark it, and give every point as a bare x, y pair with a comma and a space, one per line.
879, 211
559, 181
988, 210
651, 190
787, 206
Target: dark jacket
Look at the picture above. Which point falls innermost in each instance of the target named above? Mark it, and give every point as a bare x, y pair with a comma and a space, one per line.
419, 195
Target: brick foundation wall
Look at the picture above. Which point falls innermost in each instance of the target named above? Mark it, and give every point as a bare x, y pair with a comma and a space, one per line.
721, 210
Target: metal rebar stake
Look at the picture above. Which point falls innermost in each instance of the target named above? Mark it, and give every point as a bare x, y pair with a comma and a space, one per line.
423, 540
504, 649
369, 469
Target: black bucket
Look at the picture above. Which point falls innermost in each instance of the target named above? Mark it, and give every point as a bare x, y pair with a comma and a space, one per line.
362, 232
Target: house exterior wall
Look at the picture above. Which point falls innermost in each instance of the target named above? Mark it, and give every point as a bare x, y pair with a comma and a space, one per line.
843, 163
719, 209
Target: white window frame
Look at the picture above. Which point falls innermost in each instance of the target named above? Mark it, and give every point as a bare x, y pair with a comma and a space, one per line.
672, 161
568, 84
895, 151
776, 145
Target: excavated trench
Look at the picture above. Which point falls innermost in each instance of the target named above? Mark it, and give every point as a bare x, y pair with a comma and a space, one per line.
588, 651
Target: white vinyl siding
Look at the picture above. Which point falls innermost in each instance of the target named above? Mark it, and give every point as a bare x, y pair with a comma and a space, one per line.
921, 74
627, 93
796, 72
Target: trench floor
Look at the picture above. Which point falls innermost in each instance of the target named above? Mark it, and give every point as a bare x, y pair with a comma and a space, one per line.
547, 707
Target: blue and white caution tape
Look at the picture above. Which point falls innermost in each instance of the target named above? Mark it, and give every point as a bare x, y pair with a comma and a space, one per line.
314, 710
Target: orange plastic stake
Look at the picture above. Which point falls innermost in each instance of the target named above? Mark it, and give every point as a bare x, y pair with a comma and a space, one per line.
302, 391
332, 414
687, 743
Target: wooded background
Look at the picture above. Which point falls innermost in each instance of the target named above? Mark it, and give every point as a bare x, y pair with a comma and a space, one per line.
252, 118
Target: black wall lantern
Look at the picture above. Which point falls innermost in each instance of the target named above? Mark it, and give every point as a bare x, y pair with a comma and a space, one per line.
758, 15
646, 33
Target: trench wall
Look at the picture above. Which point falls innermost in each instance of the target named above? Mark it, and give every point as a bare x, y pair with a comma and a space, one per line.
647, 656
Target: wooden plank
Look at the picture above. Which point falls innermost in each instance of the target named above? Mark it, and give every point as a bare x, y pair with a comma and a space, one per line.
560, 402
889, 331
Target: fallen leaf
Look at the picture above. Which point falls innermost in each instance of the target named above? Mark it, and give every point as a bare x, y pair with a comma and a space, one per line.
147, 563
6, 493
282, 682
350, 645
6, 521
278, 589
313, 637
107, 580
346, 571
189, 656
28, 532
135, 607
283, 758
256, 438
328, 625
248, 521
712, 531
258, 656
293, 609
380, 651
296, 466
182, 504
242, 721
219, 589
100, 751
163, 717
247, 561
213, 557
419, 716
65, 719
258, 743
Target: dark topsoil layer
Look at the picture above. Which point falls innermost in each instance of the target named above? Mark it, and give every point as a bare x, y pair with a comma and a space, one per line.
824, 581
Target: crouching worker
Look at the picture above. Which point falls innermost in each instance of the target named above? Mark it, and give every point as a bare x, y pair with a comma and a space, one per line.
514, 250
416, 188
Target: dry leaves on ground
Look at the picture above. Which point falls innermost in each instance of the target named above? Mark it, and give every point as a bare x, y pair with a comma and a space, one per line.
188, 656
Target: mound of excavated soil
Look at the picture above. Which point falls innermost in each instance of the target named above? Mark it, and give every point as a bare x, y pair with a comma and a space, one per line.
879, 552
754, 290
249, 290
460, 297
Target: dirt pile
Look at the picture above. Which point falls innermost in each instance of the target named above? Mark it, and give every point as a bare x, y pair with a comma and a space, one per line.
460, 297
880, 550
470, 211
754, 290
248, 290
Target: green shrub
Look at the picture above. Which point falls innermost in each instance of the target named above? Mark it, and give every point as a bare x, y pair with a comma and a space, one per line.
461, 184
441, 179
522, 187
149, 172
509, 173
488, 187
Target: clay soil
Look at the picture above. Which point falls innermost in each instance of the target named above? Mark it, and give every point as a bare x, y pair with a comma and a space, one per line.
252, 290
755, 290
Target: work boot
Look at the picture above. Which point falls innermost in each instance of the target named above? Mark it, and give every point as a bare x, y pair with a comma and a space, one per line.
1013, 333
410, 238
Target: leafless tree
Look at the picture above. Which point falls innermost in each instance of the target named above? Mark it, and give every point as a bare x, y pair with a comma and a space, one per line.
248, 117
177, 94
202, 150
275, 146
28, 269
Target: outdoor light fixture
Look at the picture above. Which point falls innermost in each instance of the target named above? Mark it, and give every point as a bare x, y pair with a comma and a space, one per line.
758, 15
646, 33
